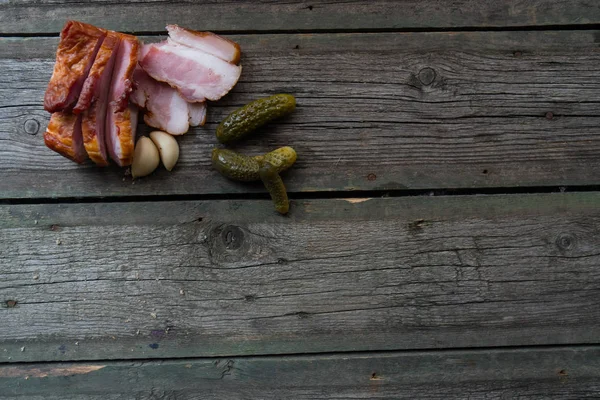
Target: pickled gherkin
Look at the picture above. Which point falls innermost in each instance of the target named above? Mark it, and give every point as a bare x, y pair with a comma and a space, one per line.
235, 166
243, 121
275, 187
244, 168
282, 158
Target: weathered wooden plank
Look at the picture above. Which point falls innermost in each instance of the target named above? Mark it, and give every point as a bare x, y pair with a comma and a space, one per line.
184, 279
47, 16
552, 373
365, 118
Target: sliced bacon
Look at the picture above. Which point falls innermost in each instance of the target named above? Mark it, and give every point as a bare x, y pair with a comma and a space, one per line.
121, 120
94, 118
77, 49
63, 135
196, 74
121, 130
93, 88
208, 42
165, 108
197, 113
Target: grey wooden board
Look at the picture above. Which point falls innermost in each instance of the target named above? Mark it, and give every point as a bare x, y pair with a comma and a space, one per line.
530, 373
364, 121
185, 279
48, 16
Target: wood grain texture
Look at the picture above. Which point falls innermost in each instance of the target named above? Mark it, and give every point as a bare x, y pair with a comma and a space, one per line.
184, 279
48, 16
375, 112
549, 373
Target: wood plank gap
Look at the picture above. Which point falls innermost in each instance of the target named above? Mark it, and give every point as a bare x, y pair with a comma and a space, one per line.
358, 194
524, 28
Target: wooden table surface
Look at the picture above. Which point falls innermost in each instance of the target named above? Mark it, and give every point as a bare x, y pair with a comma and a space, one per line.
443, 240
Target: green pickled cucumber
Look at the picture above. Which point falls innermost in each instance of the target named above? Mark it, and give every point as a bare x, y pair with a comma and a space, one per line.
253, 115
235, 166
275, 187
282, 158
239, 167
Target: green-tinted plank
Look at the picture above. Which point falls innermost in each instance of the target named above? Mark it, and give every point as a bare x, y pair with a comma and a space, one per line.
551, 373
184, 279
48, 16
369, 117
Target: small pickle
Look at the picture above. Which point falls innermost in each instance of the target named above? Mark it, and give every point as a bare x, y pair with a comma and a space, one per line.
282, 158
275, 187
235, 166
253, 115
239, 167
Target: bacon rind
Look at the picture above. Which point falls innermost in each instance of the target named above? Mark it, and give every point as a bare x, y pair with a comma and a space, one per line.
63, 135
121, 119
104, 59
77, 49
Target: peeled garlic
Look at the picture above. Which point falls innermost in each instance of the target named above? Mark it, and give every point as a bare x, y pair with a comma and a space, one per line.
145, 158
168, 148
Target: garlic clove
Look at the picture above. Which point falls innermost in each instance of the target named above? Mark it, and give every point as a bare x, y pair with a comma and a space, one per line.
167, 147
145, 158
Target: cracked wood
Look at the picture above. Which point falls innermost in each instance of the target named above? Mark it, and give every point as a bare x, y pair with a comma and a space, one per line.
182, 279
503, 109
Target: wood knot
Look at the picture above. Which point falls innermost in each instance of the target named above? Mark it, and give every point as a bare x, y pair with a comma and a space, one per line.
232, 237
416, 225
563, 376
302, 315
566, 241
375, 377
228, 244
11, 303
427, 76
31, 126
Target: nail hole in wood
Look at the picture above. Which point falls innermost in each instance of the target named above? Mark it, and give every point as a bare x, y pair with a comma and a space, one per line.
11, 303
371, 177
549, 115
